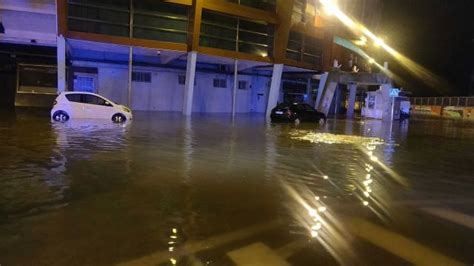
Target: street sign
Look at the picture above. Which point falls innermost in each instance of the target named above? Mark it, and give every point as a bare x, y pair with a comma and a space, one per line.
394, 92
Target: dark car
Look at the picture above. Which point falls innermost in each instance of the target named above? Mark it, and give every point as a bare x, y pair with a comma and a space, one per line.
297, 112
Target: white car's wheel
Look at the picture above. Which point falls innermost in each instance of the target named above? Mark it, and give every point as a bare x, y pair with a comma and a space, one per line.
60, 116
118, 118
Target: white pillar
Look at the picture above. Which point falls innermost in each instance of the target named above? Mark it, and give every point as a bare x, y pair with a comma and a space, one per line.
352, 98
61, 61
189, 83
309, 92
274, 88
322, 84
130, 71
236, 83
386, 101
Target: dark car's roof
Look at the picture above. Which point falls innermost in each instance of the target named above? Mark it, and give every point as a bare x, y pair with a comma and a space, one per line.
286, 105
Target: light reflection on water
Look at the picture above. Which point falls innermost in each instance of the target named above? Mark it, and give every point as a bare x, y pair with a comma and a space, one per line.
329, 138
163, 176
314, 215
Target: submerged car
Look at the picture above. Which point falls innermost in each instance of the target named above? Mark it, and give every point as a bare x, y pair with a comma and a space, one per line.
69, 105
296, 112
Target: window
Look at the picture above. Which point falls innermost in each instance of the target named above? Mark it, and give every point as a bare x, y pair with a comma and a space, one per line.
221, 31
141, 77
92, 99
304, 48
87, 98
295, 44
74, 97
371, 102
313, 48
37, 79
218, 31
267, 5
255, 38
220, 83
242, 85
308, 108
99, 16
181, 79
158, 20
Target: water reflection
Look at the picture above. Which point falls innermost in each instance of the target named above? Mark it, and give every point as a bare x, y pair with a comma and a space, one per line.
364, 181
164, 184
90, 135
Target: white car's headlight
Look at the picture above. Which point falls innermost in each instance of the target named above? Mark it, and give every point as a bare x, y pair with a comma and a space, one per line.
125, 109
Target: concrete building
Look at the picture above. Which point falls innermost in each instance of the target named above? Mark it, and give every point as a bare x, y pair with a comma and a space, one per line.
210, 56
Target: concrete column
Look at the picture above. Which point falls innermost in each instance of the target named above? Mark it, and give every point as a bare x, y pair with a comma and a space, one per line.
236, 83
322, 84
336, 101
309, 92
61, 61
386, 101
189, 83
274, 88
352, 99
130, 71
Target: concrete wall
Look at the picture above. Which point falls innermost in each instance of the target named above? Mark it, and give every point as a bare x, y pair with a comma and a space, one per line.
165, 93
26, 20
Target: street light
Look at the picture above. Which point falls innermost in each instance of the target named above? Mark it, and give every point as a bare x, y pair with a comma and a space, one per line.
379, 42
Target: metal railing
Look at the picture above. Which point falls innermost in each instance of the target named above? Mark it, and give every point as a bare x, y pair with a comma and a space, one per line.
443, 101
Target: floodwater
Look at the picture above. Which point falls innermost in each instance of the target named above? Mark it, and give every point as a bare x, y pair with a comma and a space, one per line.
166, 190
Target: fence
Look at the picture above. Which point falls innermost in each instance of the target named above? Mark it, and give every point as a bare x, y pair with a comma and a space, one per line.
442, 101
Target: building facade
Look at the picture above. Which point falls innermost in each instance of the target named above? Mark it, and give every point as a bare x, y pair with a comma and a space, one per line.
213, 56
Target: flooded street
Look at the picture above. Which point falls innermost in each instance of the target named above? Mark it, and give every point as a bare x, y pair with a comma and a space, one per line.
165, 190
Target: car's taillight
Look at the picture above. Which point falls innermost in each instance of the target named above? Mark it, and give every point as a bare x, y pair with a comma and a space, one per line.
55, 102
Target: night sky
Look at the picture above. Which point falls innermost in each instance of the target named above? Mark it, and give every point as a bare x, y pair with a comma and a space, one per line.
439, 35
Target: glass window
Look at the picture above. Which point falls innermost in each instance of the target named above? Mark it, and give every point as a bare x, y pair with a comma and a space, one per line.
308, 108
181, 79
242, 85
220, 83
157, 20
141, 77
77, 98
295, 44
92, 99
37, 79
298, 11
255, 37
268, 5
99, 16
218, 31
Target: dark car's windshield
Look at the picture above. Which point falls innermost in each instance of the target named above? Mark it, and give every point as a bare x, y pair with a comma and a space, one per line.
282, 106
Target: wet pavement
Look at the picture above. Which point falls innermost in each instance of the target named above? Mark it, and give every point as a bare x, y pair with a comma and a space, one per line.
165, 190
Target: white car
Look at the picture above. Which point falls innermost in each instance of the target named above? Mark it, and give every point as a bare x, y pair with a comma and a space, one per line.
88, 105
